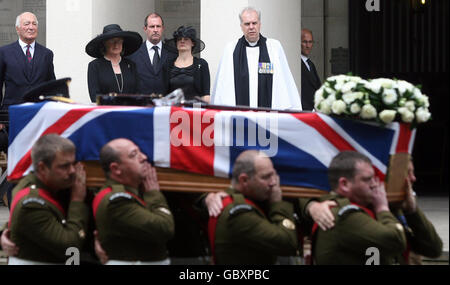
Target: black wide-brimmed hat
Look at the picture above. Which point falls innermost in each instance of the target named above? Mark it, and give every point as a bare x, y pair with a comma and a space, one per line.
185, 32
131, 41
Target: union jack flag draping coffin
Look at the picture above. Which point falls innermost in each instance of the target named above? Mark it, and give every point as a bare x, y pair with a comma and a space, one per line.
207, 141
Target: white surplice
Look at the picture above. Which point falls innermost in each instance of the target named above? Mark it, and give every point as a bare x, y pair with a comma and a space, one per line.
284, 91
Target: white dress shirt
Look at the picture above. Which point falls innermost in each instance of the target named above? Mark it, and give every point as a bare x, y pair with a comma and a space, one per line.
24, 47
304, 58
151, 51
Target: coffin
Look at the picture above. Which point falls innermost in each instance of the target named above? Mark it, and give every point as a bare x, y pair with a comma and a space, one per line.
194, 148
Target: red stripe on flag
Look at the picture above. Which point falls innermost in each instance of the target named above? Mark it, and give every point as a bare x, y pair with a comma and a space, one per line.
315, 121
404, 138
57, 128
187, 140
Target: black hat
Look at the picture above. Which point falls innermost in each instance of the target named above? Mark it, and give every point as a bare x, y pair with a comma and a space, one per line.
185, 32
59, 87
131, 41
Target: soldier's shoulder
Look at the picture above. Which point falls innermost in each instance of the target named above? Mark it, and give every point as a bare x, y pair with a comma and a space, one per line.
239, 205
345, 208
29, 198
119, 196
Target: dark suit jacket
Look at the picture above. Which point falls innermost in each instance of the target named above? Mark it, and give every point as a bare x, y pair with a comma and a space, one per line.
150, 81
202, 81
310, 83
15, 75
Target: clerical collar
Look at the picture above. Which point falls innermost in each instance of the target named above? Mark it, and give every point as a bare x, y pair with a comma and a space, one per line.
249, 44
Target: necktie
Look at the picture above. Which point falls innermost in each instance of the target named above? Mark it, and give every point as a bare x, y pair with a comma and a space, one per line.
29, 54
155, 58
313, 70
311, 65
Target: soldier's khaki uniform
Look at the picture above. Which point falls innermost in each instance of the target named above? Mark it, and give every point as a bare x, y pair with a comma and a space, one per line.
131, 231
354, 232
40, 229
421, 235
246, 235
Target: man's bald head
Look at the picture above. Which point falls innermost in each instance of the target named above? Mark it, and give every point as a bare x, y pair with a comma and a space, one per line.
123, 161
307, 41
245, 163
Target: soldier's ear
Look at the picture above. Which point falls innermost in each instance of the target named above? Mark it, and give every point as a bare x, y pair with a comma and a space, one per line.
42, 168
344, 185
243, 179
115, 169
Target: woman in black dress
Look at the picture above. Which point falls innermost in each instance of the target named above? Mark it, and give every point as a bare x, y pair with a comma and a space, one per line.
186, 71
110, 72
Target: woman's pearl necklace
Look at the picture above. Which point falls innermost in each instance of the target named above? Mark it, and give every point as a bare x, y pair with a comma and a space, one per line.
114, 64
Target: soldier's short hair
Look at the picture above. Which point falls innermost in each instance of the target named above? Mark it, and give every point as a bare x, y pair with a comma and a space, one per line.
108, 155
344, 165
46, 147
245, 163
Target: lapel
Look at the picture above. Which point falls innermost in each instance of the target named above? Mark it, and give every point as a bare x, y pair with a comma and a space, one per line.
164, 56
21, 59
309, 74
146, 57
36, 58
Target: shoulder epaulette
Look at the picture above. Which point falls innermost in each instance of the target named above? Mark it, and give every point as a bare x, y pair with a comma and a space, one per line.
348, 209
119, 195
33, 200
241, 208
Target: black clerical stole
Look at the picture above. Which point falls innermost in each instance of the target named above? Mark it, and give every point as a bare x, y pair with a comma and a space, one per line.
241, 75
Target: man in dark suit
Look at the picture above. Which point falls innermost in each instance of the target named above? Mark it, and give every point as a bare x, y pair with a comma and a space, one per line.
310, 78
151, 56
24, 64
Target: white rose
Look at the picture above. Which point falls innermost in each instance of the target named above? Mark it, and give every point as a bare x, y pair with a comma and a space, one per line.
387, 116
324, 107
331, 98
355, 79
386, 83
417, 94
350, 97
411, 105
348, 86
426, 101
407, 115
318, 96
422, 115
368, 112
329, 90
373, 86
404, 86
338, 107
402, 102
355, 108
338, 78
389, 96
338, 85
